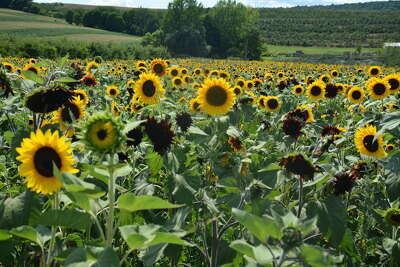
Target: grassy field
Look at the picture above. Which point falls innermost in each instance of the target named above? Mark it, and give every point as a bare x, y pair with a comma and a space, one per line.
276, 49
17, 22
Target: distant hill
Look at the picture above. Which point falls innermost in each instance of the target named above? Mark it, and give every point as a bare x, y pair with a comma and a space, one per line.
21, 23
350, 25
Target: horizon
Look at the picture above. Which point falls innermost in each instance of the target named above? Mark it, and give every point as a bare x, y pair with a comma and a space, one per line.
161, 4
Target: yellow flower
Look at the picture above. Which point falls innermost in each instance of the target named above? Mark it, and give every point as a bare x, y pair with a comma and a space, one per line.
365, 143
149, 89
216, 97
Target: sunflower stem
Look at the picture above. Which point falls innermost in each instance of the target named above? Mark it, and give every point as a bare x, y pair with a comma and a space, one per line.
55, 204
111, 199
300, 197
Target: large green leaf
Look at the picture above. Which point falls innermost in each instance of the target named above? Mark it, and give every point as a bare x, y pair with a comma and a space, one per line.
77, 185
73, 219
32, 76
39, 235
98, 257
15, 211
155, 162
261, 228
259, 253
4, 235
130, 202
316, 257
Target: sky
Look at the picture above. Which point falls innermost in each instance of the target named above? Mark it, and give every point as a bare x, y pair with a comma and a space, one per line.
207, 3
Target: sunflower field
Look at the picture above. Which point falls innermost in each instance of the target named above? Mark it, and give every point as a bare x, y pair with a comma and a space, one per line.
194, 162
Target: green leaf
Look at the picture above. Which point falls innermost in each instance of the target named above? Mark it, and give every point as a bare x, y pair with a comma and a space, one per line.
4, 235
95, 256
155, 162
130, 202
316, 257
196, 130
15, 211
76, 185
123, 171
81, 200
73, 219
233, 131
261, 228
132, 125
39, 236
107, 258
243, 247
30, 75
66, 80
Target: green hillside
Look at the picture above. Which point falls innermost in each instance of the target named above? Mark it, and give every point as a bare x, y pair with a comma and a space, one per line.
21, 23
350, 25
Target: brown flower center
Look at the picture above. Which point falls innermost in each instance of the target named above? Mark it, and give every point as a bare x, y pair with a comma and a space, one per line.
148, 88
216, 96
43, 161
369, 144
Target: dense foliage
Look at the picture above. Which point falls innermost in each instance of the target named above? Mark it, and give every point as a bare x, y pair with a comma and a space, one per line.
198, 163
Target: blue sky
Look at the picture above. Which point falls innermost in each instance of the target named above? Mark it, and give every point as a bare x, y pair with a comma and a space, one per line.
164, 3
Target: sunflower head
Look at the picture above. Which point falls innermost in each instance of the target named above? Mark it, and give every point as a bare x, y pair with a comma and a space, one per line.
89, 80
8, 67
316, 90
298, 90
378, 88
82, 96
38, 155
216, 97
272, 103
298, 164
394, 82
158, 67
374, 71
368, 143
149, 89
112, 91
70, 112
235, 143
194, 105
48, 100
103, 133
392, 216
356, 95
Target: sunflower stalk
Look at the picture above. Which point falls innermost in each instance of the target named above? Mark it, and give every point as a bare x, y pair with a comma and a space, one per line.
55, 205
111, 205
301, 200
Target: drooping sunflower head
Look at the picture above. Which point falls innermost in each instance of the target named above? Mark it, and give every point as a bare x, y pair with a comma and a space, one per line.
235, 143
356, 95
73, 111
48, 100
112, 91
378, 88
38, 154
292, 127
158, 67
392, 216
160, 134
216, 97
368, 143
374, 71
194, 105
298, 164
149, 89
32, 68
103, 133
316, 90
272, 103
298, 90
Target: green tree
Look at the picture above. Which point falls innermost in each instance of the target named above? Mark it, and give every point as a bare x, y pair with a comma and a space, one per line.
69, 16
5, 3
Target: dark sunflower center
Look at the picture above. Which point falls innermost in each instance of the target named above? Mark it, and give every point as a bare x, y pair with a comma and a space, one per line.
390, 148
379, 89
237, 91
197, 72
261, 102
158, 68
81, 96
8, 67
69, 110
43, 160
148, 88
374, 71
325, 79
174, 72
273, 103
33, 70
395, 217
102, 134
178, 81
356, 95
369, 144
196, 106
241, 83
113, 92
298, 90
216, 96
334, 73
316, 91
394, 84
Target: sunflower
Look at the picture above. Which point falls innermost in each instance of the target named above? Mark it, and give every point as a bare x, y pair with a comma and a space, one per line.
140, 64
303, 112
378, 88
261, 101
249, 85
365, 143
326, 78
394, 82
272, 103
38, 154
103, 133
174, 71
184, 121
149, 89
392, 216
334, 73
48, 100
216, 97
293, 127
316, 90
237, 91
241, 82
158, 67
298, 90
9, 67
115, 110
32, 61
390, 147
197, 71
356, 95
177, 82
32, 68
374, 71
82, 95
73, 111
93, 65
235, 143
299, 165
112, 91
89, 80
194, 105
160, 134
